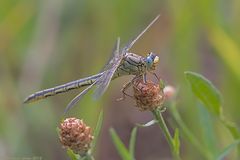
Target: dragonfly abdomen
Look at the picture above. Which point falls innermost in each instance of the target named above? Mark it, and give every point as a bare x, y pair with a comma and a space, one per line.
62, 88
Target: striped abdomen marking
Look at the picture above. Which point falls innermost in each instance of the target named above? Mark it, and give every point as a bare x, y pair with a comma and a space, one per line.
131, 64
62, 88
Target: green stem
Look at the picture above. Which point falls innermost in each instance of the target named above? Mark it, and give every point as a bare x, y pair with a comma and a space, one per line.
232, 128
158, 116
87, 157
188, 134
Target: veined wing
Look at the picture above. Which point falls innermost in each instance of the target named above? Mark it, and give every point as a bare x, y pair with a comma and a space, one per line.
78, 97
105, 79
111, 60
127, 46
134, 40
109, 64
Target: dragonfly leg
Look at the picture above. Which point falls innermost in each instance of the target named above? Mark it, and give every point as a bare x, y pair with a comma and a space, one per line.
145, 78
155, 75
123, 90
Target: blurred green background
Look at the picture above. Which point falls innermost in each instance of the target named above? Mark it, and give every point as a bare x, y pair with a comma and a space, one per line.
50, 42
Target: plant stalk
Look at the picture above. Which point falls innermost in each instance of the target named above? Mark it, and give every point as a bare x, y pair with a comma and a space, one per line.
158, 116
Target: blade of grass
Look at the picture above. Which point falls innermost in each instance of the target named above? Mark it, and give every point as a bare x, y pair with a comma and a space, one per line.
188, 134
206, 127
161, 122
176, 142
97, 131
122, 150
227, 150
132, 142
226, 48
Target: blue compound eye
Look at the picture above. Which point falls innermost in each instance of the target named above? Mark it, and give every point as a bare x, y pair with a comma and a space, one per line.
149, 60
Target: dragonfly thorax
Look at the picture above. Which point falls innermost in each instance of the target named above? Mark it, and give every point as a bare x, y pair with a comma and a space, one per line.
133, 64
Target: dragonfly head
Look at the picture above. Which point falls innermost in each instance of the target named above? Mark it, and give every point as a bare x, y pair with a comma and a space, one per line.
151, 61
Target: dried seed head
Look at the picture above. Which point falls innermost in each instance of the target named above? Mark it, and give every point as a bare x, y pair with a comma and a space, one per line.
74, 134
148, 96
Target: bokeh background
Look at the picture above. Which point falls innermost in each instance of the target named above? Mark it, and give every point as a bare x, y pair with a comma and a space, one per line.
50, 42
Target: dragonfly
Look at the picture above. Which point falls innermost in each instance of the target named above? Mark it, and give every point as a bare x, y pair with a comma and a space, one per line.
121, 63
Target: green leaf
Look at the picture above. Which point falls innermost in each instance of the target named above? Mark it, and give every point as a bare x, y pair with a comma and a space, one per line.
176, 142
211, 98
205, 91
132, 142
148, 124
122, 150
231, 126
195, 141
227, 150
207, 129
97, 130
72, 155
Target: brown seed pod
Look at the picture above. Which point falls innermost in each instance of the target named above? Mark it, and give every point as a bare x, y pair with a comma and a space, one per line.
76, 135
148, 96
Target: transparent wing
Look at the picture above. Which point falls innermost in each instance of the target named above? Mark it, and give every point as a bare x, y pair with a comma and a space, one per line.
104, 80
134, 40
110, 64
111, 67
110, 61
78, 97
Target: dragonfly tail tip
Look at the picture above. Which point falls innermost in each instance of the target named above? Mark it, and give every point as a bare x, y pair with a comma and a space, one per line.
26, 100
